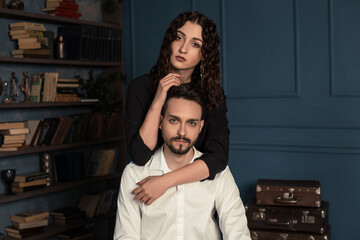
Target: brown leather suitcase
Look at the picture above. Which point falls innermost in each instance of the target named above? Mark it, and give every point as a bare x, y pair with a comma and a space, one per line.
283, 235
288, 192
303, 219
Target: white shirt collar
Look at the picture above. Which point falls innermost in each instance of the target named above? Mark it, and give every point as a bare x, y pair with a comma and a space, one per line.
158, 162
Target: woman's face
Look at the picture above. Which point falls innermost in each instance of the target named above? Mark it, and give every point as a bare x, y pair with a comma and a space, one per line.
186, 49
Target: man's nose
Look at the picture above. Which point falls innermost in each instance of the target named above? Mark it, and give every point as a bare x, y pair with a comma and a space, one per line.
182, 130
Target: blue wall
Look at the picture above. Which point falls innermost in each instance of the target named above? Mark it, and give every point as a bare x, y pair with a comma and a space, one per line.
290, 70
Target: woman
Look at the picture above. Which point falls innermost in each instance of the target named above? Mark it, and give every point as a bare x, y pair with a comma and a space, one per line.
189, 52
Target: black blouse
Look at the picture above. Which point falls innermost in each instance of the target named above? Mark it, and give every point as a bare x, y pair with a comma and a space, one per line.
213, 140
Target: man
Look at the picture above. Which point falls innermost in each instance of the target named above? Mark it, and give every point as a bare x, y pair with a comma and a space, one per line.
184, 211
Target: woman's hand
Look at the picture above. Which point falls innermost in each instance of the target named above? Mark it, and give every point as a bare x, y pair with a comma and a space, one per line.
150, 189
172, 79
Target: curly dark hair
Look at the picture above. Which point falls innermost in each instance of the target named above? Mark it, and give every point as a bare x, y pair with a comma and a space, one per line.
210, 81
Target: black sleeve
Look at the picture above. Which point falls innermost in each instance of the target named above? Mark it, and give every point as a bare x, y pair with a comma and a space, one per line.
138, 101
214, 141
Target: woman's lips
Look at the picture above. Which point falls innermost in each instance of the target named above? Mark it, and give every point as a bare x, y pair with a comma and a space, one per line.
180, 59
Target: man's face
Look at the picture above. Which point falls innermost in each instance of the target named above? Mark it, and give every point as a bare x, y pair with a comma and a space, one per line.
181, 125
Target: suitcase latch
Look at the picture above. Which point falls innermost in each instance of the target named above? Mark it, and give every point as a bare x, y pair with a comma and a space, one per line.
287, 197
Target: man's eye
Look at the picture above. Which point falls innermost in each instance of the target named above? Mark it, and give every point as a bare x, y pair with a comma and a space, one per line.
173, 121
192, 124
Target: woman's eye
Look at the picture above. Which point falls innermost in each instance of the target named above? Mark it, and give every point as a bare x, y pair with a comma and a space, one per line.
196, 45
178, 38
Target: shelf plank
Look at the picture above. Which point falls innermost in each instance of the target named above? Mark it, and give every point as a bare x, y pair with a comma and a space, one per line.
38, 149
45, 105
44, 17
53, 229
56, 188
46, 61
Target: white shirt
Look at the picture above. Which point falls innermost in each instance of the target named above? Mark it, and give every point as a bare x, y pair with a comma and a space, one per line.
182, 212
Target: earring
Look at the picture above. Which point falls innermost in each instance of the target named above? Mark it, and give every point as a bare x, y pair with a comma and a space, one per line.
201, 70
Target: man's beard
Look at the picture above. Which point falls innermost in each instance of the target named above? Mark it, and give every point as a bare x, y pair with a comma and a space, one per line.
180, 150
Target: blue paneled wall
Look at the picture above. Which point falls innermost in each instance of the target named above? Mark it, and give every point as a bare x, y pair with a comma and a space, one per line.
291, 75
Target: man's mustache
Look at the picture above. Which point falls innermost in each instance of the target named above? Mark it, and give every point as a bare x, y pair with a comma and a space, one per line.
179, 138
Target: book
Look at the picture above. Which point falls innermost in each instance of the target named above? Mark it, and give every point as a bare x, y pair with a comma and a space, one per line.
14, 137
49, 86
29, 34
10, 125
33, 27
62, 130
30, 56
88, 203
26, 189
68, 212
31, 177
31, 51
39, 223
36, 88
68, 85
15, 131
32, 126
36, 136
30, 183
49, 43
68, 80
12, 145
22, 24
23, 233
13, 229
13, 141
22, 31
32, 45
29, 216
69, 166
8, 149
100, 162
75, 234
62, 4
28, 40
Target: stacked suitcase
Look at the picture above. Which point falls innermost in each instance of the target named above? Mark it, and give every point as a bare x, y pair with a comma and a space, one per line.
288, 210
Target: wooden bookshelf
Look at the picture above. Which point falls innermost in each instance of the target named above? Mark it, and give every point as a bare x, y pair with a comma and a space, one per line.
37, 149
45, 105
45, 61
53, 229
44, 17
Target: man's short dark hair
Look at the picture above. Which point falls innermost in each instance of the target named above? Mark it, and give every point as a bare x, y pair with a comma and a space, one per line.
186, 91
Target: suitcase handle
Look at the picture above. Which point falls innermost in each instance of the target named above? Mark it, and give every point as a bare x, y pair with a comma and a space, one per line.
286, 201
278, 223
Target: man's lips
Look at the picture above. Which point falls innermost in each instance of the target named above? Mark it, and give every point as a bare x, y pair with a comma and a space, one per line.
180, 59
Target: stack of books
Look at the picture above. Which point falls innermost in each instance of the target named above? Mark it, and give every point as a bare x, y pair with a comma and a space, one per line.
12, 135
100, 203
23, 183
67, 90
76, 234
30, 181
62, 8
26, 224
68, 215
32, 40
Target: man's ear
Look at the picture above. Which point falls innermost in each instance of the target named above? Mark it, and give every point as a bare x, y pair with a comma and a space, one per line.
201, 125
161, 121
